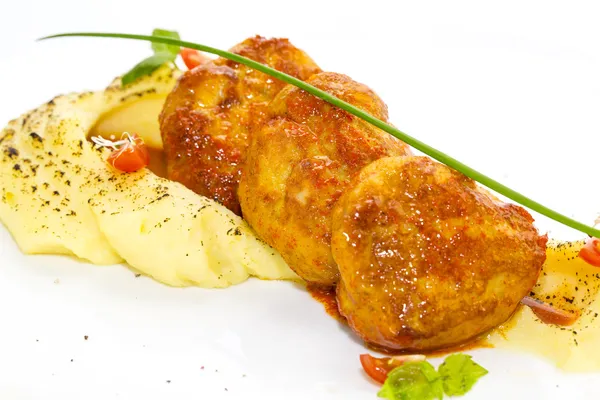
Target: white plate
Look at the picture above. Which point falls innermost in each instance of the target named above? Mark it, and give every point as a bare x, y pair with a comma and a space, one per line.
512, 90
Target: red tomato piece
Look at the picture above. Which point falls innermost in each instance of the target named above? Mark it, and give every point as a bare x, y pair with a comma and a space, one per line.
548, 314
590, 253
131, 156
379, 368
192, 58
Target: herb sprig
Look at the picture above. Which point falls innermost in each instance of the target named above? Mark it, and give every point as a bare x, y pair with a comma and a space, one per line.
417, 144
163, 53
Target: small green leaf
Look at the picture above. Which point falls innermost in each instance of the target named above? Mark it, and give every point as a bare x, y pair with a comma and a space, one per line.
162, 53
459, 373
165, 48
146, 67
413, 381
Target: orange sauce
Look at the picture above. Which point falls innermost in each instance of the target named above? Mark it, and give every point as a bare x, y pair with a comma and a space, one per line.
326, 296
158, 162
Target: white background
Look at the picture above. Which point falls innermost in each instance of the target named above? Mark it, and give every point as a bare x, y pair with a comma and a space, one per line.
510, 87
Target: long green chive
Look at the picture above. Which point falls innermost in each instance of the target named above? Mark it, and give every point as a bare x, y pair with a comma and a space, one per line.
417, 144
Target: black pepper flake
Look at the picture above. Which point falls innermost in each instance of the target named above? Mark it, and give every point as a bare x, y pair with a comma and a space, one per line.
12, 152
85, 337
36, 137
34, 189
17, 167
55, 193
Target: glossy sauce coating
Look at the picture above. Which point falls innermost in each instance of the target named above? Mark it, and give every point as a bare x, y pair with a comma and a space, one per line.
299, 165
427, 259
208, 117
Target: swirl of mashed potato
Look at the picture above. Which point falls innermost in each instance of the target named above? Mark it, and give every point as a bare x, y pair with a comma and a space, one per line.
59, 196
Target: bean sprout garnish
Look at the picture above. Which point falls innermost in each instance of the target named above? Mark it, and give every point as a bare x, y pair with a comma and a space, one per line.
126, 138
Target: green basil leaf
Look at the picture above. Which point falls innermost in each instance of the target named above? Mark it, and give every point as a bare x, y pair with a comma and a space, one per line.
459, 373
146, 67
165, 48
413, 381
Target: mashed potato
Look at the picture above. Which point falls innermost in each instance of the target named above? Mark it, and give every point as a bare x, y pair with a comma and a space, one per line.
567, 283
59, 196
